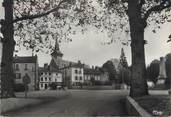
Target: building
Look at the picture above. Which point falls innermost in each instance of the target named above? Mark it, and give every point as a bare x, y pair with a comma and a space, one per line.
96, 75
57, 62
91, 75
26, 66
48, 77
75, 74
66, 67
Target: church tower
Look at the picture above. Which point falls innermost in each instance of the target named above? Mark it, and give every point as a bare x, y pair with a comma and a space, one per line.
57, 54
56, 61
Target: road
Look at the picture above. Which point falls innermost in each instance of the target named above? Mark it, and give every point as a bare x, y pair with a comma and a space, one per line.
80, 103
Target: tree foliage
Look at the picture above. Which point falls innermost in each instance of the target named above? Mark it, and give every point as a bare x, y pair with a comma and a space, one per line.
123, 64
110, 68
153, 71
168, 70
38, 23
124, 72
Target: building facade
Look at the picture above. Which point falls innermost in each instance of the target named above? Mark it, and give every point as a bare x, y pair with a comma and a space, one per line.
75, 74
26, 66
91, 75
47, 78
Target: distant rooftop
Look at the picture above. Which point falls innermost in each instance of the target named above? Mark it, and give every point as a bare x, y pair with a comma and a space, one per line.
92, 71
25, 59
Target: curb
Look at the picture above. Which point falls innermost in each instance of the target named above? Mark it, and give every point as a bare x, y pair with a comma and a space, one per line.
133, 108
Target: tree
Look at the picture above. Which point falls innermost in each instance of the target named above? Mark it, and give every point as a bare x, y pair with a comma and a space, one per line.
110, 68
122, 62
138, 14
35, 22
168, 70
153, 71
123, 68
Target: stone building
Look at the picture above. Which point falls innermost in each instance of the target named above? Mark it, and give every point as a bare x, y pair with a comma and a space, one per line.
75, 74
48, 77
26, 66
95, 75
66, 67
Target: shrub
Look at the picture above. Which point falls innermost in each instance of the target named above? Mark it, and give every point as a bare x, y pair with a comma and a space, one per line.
19, 87
53, 86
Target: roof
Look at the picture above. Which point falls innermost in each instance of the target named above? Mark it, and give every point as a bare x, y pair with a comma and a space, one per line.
56, 53
41, 69
77, 65
25, 59
92, 71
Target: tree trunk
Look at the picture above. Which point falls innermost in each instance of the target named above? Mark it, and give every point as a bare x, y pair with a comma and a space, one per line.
7, 75
138, 79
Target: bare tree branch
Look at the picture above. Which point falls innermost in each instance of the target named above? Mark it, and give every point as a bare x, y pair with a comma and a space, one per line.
163, 5
26, 17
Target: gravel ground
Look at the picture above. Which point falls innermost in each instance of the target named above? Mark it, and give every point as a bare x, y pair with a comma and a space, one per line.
80, 103
33, 98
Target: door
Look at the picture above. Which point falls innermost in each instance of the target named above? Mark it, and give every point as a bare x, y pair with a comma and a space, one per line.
45, 86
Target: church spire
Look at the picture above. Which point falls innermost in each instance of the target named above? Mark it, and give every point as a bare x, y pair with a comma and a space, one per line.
57, 45
57, 52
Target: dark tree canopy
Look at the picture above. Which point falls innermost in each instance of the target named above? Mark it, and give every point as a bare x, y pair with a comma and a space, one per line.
110, 68
124, 72
153, 70
168, 70
123, 64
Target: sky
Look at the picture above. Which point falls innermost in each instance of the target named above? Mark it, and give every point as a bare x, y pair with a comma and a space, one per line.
89, 50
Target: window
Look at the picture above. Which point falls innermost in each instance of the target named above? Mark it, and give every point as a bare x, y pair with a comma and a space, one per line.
80, 72
80, 78
41, 85
18, 75
49, 79
76, 78
45, 79
17, 67
49, 73
55, 80
76, 71
42, 73
25, 67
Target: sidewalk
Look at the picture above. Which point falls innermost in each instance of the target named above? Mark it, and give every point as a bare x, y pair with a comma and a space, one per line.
34, 98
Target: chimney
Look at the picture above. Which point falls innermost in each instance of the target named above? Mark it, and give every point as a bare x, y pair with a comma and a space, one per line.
79, 62
96, 68
45, 66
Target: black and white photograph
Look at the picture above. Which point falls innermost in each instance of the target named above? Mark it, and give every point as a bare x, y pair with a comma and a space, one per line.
75, 58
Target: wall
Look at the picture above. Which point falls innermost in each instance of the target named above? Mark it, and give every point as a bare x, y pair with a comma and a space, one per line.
31, 68
73, 75
52, 77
